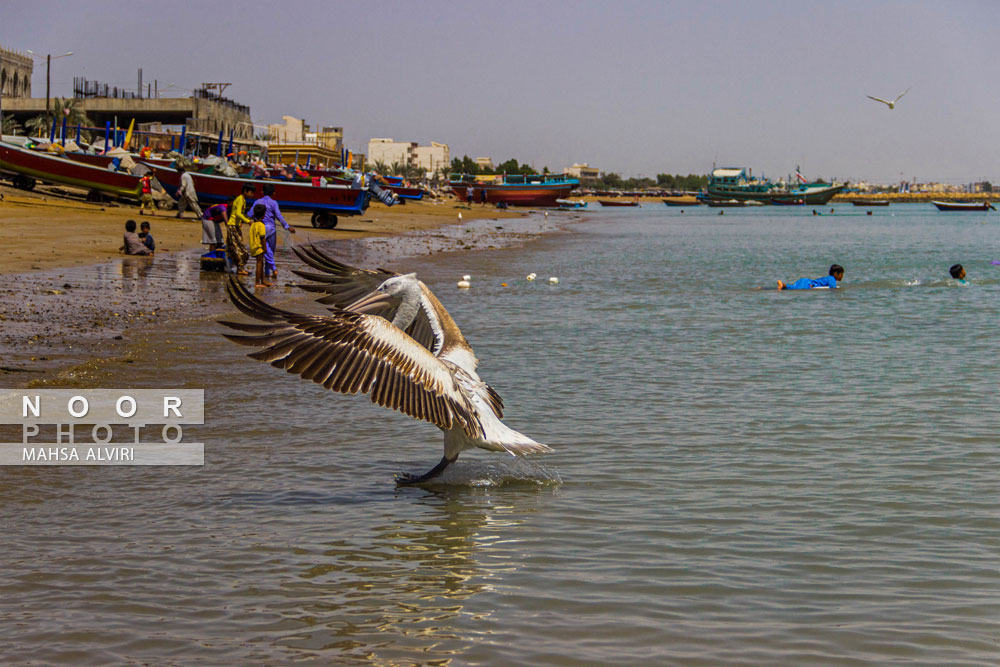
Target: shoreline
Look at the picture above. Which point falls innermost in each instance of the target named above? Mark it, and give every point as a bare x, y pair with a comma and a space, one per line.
62, 320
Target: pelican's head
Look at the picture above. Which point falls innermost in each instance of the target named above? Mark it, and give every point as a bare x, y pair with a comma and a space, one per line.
398, 285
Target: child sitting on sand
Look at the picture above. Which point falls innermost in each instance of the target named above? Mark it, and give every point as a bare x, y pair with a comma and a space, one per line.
147, 238
258, 237
836, 274
958, 273
133, 244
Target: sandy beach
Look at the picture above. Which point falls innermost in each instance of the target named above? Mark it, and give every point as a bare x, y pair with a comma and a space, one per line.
71, 299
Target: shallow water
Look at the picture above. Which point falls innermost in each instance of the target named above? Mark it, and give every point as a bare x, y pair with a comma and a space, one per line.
739, 476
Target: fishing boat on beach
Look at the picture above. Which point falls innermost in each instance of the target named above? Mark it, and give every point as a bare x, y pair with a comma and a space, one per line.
515, 189
571, 205
618, 202
324, 202
963, 206
28, 166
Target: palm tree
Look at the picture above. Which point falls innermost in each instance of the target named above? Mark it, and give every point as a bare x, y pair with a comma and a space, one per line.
381, 167
61, 108
10, 126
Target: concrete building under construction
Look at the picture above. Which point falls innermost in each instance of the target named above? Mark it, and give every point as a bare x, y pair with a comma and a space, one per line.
204, 114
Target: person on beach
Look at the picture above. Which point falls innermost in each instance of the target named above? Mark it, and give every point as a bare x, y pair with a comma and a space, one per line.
187, 198
211, 225
146, 198
133, 245
258, 243
482, 196
236, 251
957, 272
272, 213
836, 274
470, 195
147, 238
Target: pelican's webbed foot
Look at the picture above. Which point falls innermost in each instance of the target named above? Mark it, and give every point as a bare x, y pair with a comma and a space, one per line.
408, 479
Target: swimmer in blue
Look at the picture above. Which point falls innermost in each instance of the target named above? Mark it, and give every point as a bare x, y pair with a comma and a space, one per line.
836, 274
958, 273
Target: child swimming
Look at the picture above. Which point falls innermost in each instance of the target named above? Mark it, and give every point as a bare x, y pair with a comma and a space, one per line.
836, 274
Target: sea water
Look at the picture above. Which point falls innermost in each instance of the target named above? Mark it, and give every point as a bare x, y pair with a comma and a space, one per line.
739, 476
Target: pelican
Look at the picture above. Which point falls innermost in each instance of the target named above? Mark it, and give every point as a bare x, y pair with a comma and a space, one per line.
388, 336
891, 105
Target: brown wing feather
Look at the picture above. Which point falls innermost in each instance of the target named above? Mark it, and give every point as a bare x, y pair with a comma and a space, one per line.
343, 284
354, 352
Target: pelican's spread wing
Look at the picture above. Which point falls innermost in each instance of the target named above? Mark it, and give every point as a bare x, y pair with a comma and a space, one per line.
353, 353
901, 94
878, 99
353, 289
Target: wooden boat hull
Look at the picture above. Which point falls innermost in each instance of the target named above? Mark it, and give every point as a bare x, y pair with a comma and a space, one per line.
870, 202
788, 201
332, 199
513, 194
679, 201
612, 202
53, 169
962, 206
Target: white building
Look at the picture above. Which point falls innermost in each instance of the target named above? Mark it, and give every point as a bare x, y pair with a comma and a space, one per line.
584, 172
409, 154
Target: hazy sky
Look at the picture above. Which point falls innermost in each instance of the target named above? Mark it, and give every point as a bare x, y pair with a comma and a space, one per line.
638, 88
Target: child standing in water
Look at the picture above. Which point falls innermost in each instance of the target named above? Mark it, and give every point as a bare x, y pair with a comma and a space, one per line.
258, 239
957, 272
836, 274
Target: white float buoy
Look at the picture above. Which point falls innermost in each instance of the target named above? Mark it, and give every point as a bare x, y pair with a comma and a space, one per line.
464, 284
466, 277
553, 280
459, 216
531, 276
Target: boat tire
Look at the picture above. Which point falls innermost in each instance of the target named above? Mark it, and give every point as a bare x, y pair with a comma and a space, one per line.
23, 182
322, 220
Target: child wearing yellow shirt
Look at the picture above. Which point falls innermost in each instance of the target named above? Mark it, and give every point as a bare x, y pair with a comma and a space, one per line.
258, 237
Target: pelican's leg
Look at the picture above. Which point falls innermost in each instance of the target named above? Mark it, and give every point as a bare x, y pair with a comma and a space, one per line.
406, 479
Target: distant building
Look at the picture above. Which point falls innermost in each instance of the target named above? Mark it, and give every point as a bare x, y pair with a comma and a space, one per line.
15, 73
484, 163
433, 158
293, 141
584, 172
292, 131
428, 159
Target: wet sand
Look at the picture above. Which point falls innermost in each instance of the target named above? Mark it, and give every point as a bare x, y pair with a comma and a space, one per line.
71, 302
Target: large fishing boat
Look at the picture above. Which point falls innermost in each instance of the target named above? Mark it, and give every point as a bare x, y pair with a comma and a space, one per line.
515, 190
27, 166
963, 205
739, 183
325, 202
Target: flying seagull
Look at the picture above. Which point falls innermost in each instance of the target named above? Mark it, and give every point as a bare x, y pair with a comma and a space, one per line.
388, 336
891, 105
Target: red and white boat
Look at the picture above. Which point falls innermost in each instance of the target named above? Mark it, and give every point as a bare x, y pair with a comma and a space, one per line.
324, 202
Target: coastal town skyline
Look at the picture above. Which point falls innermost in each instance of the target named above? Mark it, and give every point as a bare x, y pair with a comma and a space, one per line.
637, 88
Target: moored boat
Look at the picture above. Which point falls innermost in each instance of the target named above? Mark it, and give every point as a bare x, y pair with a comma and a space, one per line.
788, 201
739, 183
324, 202
963, 206
29, 166
515, 190
870, 202
571, 205
618, 202
681, 201
724, 203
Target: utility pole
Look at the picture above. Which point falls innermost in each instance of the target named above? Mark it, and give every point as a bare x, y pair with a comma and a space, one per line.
48, 74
